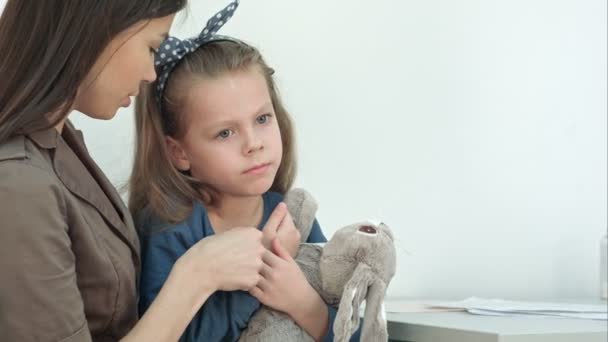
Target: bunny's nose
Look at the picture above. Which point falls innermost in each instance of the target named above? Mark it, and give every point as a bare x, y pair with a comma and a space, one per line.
367, 229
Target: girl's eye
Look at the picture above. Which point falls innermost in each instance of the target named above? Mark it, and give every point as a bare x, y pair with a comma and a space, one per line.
262, 119
224, 134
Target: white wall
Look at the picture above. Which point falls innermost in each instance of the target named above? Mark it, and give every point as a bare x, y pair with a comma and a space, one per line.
476, 129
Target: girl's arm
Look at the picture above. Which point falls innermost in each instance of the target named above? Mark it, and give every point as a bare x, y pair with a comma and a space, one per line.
284, 287
313, 313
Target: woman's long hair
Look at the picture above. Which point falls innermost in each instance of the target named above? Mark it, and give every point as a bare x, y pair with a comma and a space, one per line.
47, 48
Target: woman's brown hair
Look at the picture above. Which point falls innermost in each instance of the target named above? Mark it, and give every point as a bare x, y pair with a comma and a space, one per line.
47, 49
155, 183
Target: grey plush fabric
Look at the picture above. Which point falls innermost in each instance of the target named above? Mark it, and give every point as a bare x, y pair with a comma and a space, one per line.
355, 265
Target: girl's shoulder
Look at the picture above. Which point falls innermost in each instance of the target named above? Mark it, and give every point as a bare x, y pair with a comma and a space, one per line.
148, 223
271, 200
195, 226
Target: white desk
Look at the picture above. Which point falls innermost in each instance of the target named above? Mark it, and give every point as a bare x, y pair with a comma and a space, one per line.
465, 327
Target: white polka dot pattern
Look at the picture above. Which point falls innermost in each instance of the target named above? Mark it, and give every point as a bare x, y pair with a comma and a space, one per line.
172, 50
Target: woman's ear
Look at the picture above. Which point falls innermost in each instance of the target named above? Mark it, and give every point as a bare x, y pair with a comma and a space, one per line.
178, 156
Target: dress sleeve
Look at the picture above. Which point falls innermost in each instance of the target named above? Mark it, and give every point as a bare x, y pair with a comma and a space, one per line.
39, 296
222, 318
159, 252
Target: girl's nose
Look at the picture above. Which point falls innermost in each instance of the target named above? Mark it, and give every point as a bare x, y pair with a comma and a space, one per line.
253, 143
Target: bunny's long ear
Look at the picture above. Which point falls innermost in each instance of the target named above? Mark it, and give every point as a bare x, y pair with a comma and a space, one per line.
374, 322
303, 208
355, 292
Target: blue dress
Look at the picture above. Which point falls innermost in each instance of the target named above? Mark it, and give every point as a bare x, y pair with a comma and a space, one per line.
225, 314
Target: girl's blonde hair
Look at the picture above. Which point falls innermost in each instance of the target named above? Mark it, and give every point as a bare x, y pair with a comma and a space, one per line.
155, 184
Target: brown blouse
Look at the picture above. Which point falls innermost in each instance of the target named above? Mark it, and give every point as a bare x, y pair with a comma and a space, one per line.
69, 253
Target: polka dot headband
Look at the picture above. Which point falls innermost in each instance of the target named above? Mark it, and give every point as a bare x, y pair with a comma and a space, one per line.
173, 50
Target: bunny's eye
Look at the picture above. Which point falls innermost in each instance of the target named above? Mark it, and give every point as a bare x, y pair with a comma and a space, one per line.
367, 229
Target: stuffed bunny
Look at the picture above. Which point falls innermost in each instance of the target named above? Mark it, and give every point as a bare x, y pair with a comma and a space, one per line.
356, 265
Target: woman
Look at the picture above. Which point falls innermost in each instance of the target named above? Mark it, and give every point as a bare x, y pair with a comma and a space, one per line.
69, 255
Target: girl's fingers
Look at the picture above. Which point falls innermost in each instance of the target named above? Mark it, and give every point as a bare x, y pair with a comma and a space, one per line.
286, 218
262, 285
257, 293
265, 271
279, 250
270, 259
275, 219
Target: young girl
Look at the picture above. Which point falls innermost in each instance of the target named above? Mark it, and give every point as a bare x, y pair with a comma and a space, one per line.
215, 150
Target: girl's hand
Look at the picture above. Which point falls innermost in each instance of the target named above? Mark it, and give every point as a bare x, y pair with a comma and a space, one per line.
228, 261
284, 287
280, 225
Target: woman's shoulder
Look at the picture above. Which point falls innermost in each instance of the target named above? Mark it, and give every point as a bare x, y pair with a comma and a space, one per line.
31, 195
21, 157
25, 172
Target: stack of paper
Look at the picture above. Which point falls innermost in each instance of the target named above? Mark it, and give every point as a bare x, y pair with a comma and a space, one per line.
412, 306
499, 307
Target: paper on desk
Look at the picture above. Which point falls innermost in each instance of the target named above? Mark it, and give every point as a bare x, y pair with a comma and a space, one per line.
582, 315
499, 307
405, 306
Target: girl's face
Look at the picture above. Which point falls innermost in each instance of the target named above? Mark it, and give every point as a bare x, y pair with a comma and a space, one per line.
231, 139
123, 65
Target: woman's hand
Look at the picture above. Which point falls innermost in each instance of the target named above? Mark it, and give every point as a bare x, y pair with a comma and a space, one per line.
280, 225
228, 261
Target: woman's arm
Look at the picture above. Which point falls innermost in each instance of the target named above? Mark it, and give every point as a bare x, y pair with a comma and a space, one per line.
223, 315
178, 279
173, 308
39, 296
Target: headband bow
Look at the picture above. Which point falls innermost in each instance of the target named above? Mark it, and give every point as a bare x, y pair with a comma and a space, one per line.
173, 50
